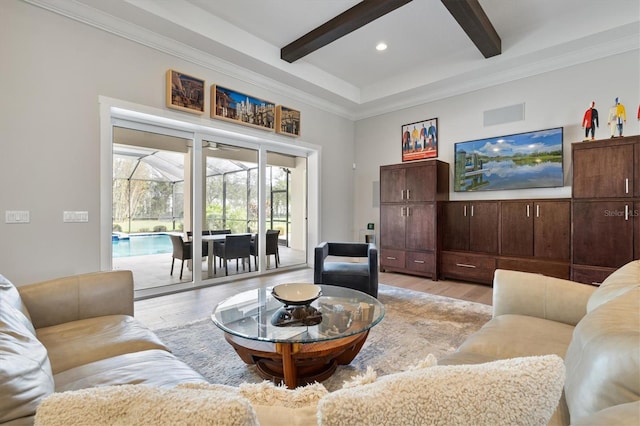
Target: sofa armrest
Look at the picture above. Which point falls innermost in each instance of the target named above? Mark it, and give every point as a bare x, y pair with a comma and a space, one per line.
539, 296
78, 297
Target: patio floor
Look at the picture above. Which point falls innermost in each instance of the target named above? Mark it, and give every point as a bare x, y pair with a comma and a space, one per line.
153, 271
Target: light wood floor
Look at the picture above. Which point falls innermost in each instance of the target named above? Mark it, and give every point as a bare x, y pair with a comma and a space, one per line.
180, 308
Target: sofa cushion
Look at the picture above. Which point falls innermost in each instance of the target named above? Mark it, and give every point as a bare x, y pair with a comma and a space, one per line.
275, 405
603, 360
510, 336
9, 293
25, 372
345, 268
80, 342
620, 282
151, 367
518, 391
144, 405
619, 415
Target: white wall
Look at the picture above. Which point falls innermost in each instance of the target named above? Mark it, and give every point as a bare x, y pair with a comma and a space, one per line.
554, 99
53, 71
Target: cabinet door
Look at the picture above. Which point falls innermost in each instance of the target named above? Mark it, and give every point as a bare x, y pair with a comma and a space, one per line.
392, 225
392, 185
455, 226
603, 172
516, 228
552, 225
421, 225
483, 226
421, 183
602, 233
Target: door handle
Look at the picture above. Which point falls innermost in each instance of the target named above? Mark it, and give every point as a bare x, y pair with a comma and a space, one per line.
465, 265
418, 261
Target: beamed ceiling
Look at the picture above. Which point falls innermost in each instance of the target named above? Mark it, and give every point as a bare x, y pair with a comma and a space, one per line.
322, 52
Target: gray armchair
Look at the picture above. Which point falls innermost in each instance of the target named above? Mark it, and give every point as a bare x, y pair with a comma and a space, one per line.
361, 276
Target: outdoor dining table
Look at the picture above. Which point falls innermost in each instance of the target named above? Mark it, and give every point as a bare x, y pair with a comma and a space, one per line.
211, 239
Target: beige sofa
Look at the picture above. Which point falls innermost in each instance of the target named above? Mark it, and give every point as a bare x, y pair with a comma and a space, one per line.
509, 372
74, 333
596, 330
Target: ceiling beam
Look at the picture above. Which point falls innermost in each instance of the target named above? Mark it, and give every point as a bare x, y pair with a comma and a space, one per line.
476, 24
350, 20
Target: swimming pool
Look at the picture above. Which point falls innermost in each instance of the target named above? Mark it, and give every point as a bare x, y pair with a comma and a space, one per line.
141, 245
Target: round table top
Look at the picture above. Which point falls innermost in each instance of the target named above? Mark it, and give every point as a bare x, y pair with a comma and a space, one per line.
339, 312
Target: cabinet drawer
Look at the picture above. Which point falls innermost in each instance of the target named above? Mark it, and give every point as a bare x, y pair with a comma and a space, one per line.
548, 268
589, 274
421, 262
392, 258
471, 267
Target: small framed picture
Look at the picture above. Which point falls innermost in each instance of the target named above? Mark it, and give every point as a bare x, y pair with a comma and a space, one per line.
420, 140
236, 107
184, 92
287, 121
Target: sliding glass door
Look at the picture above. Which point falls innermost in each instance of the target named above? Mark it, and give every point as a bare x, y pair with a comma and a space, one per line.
181, 200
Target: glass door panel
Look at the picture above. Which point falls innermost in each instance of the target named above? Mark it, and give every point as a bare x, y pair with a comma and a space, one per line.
149, 207
230, 209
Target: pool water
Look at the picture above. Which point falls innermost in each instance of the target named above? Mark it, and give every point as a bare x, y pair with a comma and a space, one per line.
140, 245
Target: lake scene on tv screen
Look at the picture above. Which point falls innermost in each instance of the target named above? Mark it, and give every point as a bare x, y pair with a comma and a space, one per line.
523, 160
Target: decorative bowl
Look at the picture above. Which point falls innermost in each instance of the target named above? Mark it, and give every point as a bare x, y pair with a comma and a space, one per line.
296, 294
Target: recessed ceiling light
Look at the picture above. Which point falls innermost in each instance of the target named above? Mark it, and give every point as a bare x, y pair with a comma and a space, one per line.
381, 46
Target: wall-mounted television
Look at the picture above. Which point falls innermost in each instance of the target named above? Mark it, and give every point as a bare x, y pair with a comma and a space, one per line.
522, 160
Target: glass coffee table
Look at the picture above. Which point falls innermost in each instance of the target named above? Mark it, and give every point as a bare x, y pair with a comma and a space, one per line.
298, 352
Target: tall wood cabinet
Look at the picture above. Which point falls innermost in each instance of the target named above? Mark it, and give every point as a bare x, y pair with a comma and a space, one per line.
410, 196
605, 201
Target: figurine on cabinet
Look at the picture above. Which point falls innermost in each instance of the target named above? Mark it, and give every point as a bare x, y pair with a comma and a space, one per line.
617, 118
590, 121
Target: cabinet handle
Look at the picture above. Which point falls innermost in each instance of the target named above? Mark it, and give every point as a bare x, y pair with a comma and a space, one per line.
408, 211
402, 211
537, 210
465, 265
402, 194
528, 210
626, 212
626, 186
418, 261
472, 211
408, 194
391, 258
465, 211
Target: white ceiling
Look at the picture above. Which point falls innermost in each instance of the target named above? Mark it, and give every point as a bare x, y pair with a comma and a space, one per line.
429, 55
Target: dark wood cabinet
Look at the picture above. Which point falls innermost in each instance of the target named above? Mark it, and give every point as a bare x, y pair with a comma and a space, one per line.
470, 226
603, 233
605, 201
538, 228
470, 240
409, 216
523, 235
603, 169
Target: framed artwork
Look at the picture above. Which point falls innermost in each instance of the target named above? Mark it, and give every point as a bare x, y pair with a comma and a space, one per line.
523, 160
184, 92
236, 107
420, 140
287, 121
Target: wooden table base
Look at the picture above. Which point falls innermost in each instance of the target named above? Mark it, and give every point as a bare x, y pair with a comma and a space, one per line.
297, 364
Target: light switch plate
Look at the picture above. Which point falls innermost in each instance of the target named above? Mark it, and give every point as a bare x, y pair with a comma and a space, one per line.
75, 216
16, 216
